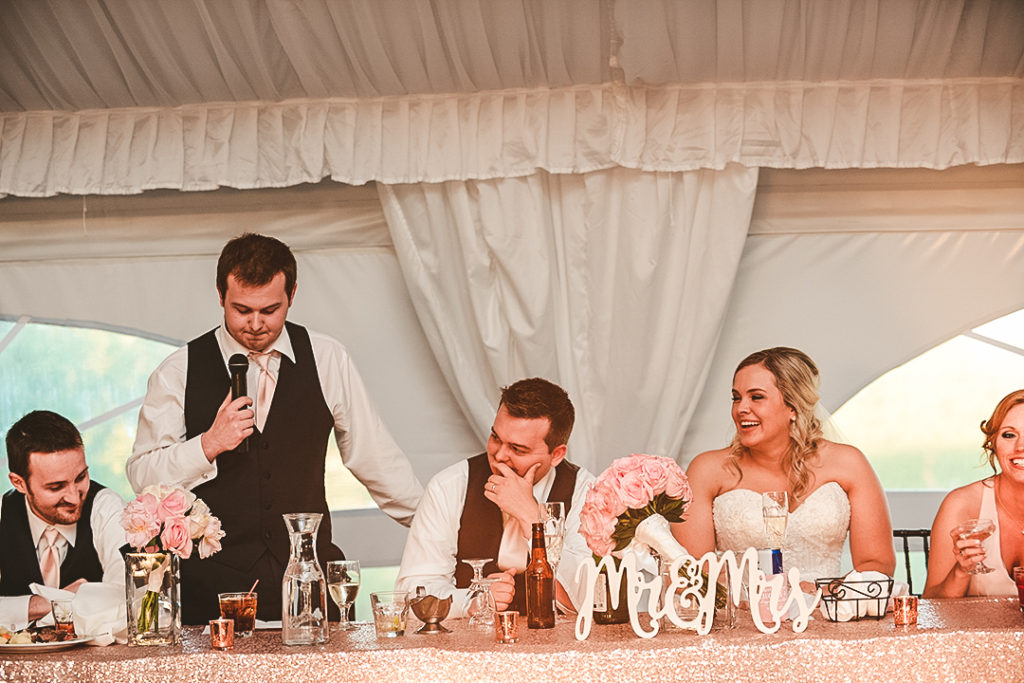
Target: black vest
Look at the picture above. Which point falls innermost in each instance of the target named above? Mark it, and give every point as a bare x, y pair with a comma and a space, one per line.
283, 469
481, 526
19, 564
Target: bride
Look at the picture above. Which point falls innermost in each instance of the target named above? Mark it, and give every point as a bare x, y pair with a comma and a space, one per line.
779, 447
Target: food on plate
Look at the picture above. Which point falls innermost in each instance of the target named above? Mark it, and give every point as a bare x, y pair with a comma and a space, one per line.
44, 634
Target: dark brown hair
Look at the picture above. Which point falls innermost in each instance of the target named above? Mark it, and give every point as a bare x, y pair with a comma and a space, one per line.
254, 260
536, 398
41, 431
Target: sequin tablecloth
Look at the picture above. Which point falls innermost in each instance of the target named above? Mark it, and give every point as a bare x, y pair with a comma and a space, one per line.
975, 639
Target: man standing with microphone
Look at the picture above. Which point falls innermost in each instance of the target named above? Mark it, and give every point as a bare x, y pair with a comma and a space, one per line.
251, 459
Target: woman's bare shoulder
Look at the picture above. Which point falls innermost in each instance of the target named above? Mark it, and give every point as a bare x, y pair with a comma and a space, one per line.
709, 461
965, 501
709, 469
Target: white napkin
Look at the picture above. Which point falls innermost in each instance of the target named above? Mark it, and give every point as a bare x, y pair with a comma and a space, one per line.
847, 609
49, 593
99, 610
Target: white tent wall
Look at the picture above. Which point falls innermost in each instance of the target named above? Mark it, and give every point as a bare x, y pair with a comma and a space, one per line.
864, 269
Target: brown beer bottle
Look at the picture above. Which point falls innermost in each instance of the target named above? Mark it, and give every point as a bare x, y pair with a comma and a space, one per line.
540, 584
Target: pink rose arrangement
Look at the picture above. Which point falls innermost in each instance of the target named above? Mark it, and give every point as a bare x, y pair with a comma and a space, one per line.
628, 492
171, 519
167, 519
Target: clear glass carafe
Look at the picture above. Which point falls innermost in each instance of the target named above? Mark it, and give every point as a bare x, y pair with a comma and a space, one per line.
303, 591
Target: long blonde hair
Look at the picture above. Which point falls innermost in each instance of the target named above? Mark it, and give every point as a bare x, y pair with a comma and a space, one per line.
798, 380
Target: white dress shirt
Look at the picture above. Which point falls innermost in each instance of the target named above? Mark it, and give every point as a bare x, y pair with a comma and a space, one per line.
429, 556
162, 455
107, 537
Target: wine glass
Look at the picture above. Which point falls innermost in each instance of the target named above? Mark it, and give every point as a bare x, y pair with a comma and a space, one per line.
775, 509
976, 529
343, 585
479, 599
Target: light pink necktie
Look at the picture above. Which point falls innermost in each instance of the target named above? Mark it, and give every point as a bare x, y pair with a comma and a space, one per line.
50, 561
264, 389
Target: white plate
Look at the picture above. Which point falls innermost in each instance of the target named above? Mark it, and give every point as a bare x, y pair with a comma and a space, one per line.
23, 648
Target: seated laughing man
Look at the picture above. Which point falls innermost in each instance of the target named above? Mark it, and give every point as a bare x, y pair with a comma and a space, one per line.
57, 528
483, 507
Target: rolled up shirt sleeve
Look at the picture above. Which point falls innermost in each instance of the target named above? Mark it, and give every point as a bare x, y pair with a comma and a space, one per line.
161, 454
429, 556
367, 448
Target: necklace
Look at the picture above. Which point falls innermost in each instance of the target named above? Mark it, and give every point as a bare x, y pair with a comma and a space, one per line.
1001, 505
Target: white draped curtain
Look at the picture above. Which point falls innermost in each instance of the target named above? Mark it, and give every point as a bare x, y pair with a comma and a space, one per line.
613, 284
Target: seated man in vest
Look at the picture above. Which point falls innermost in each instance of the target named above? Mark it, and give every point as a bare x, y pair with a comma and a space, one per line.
253, 458
484, 507
57, 528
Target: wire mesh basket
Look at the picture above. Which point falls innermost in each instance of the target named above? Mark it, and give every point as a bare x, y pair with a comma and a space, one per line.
845, 600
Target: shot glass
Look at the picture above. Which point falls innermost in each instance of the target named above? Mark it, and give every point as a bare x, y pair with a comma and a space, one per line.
63, 617
390, 611
241, 607
506, 626
904, 610
222, 633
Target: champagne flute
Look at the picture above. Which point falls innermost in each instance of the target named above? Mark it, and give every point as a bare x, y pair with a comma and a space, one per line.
976, 529
479, 600
553, 516
343, 585
775, 509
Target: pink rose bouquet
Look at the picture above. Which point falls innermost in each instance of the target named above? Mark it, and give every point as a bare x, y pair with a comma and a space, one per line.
627, 493
168, 519
171, 519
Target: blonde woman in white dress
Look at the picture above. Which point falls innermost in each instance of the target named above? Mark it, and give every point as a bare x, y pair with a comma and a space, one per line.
833, 490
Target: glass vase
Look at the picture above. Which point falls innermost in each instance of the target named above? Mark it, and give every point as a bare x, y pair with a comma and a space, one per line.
689, 610
152, 598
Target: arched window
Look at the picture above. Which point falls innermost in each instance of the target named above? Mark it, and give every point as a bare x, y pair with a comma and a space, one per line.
919, 423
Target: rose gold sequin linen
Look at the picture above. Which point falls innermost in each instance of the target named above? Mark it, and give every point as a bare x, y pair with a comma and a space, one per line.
964, 640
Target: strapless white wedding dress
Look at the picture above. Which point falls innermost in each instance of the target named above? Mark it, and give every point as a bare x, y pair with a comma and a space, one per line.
815, 533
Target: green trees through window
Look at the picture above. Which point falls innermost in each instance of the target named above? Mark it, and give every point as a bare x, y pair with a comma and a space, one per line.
919, 423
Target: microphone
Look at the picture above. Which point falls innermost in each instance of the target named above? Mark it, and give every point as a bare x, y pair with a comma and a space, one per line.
238, 365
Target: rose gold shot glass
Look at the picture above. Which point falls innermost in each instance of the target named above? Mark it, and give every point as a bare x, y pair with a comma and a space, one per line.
904, 610
222, 633
506, 626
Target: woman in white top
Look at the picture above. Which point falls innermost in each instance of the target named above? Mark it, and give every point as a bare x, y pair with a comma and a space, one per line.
779, 447
999, 498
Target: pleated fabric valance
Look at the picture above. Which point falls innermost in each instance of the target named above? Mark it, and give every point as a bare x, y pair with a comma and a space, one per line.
116, 96
436, 138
